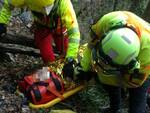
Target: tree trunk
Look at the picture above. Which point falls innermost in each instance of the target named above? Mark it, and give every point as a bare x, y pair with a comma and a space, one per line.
18, 44
11, 48
18, 39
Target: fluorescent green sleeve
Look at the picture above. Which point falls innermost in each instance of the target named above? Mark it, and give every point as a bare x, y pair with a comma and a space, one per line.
86, 60
69, 20
5, 12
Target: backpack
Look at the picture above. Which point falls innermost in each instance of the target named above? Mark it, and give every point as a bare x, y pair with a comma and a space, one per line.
41, 92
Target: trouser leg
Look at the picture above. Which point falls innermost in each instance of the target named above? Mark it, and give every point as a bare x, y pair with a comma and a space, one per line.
114, 97
43, 40
137, 98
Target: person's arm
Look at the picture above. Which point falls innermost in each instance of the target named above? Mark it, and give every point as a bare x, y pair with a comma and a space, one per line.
84, 71
69, 20
86, 59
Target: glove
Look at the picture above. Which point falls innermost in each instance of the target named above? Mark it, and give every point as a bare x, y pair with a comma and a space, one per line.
2, 29
68, 68
80, 75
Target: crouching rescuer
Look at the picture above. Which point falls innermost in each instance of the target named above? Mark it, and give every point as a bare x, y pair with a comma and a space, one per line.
119, 53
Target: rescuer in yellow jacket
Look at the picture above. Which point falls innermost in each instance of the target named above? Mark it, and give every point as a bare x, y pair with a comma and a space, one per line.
55, 21
119, 53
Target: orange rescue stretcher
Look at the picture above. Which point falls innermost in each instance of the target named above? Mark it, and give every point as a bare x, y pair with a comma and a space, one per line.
45, 93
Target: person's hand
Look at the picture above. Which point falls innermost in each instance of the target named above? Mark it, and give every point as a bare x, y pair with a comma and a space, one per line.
80, 74
68, 68
2, 28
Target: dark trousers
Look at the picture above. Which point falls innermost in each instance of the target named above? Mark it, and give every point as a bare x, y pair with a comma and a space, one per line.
137, 98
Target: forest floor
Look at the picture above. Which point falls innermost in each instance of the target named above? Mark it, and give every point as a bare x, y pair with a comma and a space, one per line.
86, 101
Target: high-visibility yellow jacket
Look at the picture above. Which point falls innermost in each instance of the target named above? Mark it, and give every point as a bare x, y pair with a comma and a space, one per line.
5, 12
118, 19
67, 15
68, 18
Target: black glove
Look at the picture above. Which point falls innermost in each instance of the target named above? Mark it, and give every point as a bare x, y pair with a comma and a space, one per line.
2, 29
79, 74
68, 68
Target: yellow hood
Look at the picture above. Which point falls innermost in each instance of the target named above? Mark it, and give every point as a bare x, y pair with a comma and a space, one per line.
34, 5
17, 3
38, 5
